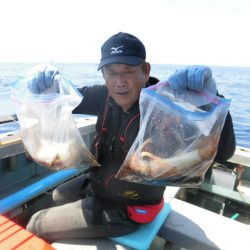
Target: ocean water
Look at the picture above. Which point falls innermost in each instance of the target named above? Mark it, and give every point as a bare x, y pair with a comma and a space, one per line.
232, 82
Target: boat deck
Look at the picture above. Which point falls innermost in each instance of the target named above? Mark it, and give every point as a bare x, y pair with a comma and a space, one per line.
188, 226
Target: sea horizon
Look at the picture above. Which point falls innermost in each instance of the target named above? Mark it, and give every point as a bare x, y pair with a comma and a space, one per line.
232, 82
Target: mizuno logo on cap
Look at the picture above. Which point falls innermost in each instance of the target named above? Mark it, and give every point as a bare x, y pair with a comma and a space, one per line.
116, 50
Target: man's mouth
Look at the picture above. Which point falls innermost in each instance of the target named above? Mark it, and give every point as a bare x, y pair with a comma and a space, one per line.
122, 93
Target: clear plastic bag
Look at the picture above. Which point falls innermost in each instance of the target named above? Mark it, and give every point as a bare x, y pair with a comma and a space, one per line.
48, 130
178, 137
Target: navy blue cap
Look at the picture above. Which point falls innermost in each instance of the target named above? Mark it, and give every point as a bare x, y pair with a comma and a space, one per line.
122, 48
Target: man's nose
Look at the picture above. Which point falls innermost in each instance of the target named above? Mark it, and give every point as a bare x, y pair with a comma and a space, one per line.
121, 78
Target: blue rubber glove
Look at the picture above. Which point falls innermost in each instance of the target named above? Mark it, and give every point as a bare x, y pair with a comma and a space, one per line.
195, 78
42, 78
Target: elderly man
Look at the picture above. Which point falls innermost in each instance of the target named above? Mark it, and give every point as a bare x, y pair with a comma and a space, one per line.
97, 204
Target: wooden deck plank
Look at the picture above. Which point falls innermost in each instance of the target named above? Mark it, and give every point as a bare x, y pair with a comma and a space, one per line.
14, 237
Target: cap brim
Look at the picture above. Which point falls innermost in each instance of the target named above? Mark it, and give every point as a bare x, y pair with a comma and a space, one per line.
128, 60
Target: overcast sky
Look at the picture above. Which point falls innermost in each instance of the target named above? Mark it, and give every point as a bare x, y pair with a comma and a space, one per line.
211, 32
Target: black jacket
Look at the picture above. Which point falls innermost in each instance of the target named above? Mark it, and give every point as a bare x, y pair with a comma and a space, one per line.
115, 133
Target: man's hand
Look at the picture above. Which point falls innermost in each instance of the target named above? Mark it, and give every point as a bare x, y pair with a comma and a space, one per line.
42, 78
194, 78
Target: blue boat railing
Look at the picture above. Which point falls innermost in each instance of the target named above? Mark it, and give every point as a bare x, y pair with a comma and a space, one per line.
20, 197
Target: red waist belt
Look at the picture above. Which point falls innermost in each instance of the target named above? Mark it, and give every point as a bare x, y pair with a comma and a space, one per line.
145, 213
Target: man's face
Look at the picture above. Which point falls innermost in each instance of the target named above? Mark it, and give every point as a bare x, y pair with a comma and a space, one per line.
124, 82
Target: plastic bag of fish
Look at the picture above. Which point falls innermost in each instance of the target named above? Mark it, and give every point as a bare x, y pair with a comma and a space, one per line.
178, 137
48, 129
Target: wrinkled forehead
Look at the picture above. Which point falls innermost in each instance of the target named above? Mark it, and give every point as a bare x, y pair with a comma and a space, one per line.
119, 67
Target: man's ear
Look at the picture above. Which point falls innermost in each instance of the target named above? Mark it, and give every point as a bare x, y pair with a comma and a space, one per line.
147, 68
